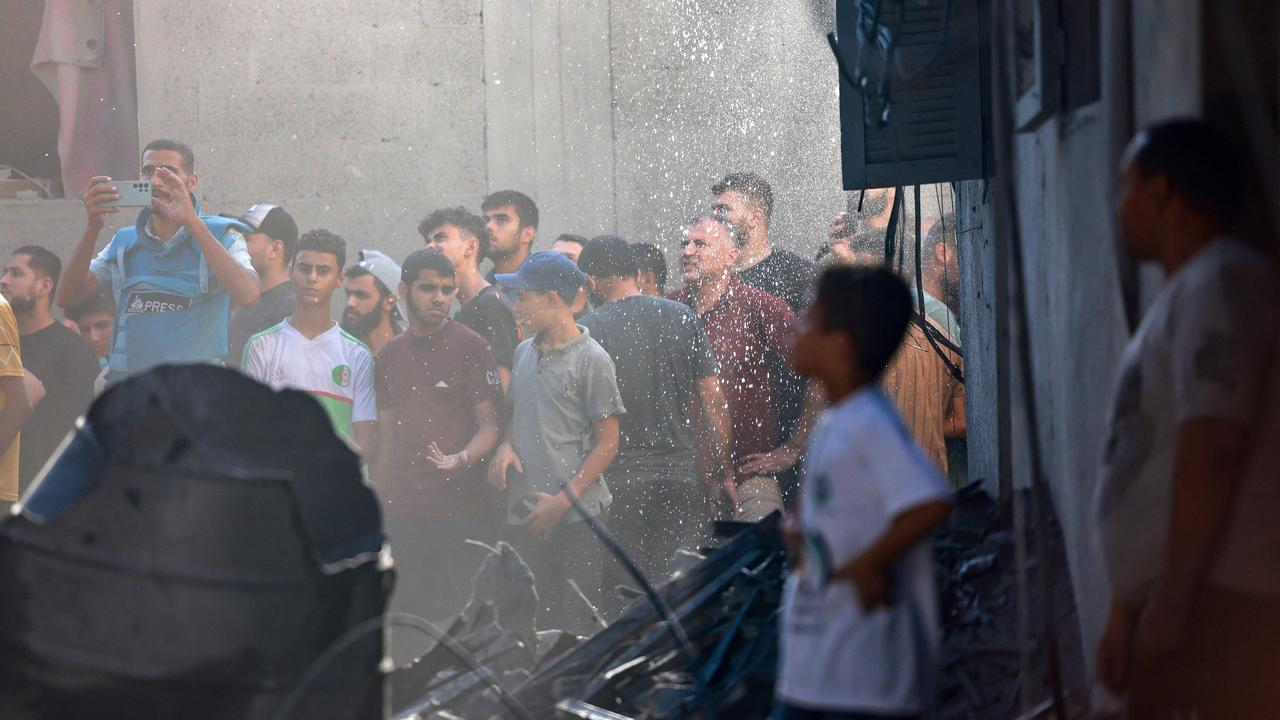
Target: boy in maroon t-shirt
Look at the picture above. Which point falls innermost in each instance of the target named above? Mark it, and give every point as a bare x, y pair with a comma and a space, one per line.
438, 394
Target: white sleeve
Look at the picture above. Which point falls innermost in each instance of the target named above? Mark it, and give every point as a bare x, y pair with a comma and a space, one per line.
899, 468
364, 398
1221, 337
101, 265
253, 363
239, 249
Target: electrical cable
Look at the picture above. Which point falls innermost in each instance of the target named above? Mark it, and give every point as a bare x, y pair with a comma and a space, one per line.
664, 610
929, 330
356, 633
891, 231
610, 542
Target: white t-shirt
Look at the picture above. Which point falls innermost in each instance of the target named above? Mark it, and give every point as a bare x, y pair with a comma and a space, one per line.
335, 368
1202, 351
863, 471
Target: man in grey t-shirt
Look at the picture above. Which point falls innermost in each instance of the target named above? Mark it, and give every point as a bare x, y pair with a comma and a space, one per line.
1187, 498
271, 247
668, 376
564, 431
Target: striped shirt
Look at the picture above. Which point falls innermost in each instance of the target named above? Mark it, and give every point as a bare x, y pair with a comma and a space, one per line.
334, 368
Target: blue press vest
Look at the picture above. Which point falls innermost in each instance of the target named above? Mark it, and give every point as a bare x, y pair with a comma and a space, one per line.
165, 307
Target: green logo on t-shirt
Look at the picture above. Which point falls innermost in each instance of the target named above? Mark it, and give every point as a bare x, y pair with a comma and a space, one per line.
342, 376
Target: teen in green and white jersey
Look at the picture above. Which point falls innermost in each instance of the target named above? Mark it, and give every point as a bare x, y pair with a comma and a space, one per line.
309, 352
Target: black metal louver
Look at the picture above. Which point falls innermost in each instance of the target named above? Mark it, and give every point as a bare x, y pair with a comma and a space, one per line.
916, 115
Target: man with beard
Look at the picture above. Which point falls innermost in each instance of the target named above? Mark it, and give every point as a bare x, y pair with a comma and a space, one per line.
750, 331
373, 311
930, 399
940, 276
307, 351
272, 241
512, 219
438, 396
51, 352
747, 200
463, 238
667, 375
174, 273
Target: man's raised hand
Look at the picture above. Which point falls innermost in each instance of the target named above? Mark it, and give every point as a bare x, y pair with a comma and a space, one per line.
95, 196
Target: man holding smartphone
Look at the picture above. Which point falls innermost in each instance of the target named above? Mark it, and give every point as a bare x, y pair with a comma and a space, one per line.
174, 273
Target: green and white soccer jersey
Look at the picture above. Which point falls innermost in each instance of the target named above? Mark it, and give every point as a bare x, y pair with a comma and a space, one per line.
334, 368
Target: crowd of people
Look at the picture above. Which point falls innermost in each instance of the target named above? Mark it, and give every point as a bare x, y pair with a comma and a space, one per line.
480, 400
486, 404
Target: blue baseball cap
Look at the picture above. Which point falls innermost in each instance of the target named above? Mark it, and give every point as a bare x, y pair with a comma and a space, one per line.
547, 272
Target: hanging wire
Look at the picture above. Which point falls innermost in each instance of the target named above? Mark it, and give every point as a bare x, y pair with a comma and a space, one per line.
659, 604
930, 332
614, 547
891, 232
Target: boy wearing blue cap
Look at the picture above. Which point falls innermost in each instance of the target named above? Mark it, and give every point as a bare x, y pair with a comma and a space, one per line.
564, 429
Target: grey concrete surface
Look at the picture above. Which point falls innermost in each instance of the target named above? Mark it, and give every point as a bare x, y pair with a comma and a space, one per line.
363, 116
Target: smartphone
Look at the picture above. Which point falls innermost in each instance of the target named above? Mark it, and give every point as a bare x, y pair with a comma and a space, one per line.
133, 193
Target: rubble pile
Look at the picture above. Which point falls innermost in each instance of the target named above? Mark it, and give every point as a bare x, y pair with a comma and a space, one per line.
726, 604
977, 586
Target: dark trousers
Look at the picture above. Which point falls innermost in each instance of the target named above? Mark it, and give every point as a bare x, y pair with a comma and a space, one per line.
571, 552
652, 519
783, 711
1228, 667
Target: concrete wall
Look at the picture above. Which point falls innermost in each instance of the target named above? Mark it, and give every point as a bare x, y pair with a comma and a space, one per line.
363, 116
705, 87
356, 116
1064, 176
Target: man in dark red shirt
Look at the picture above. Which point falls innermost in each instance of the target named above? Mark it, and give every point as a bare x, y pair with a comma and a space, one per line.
749, 331
438, 393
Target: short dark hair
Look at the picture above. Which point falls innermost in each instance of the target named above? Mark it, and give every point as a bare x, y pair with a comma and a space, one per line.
420, 260
751, 186
526, 208
321, 240
1199, 162
872, 306
579, 240
942, 232
42, 261
99, 302
357, 271
650, 259
463, 219
183, 149
735, 232
608, 256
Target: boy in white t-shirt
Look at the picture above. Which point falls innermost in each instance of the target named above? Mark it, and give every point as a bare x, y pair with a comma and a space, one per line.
310, 352
860, 629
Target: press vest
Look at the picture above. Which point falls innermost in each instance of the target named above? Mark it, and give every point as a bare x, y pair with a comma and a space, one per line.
169, 309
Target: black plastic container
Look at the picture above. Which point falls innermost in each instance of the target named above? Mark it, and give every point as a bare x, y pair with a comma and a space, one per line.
198, 544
